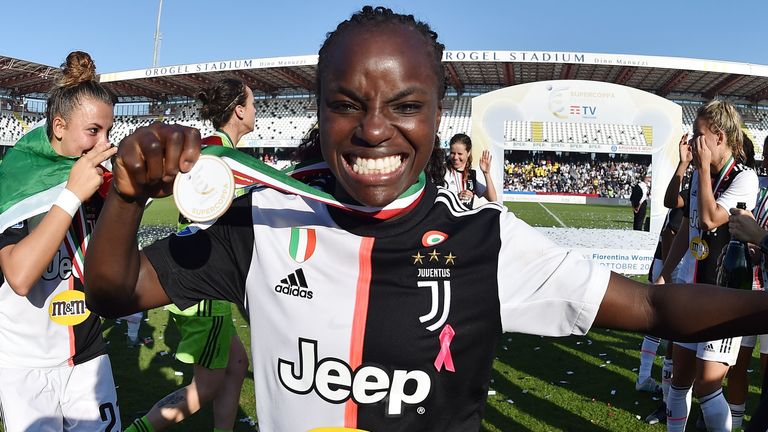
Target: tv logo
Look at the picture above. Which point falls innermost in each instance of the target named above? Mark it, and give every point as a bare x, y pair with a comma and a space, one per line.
583, 111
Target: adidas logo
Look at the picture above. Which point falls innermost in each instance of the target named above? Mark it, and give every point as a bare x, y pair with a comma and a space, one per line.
709, 347
294, 285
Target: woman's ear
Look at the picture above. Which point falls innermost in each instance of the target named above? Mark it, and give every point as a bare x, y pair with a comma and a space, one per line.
59, 126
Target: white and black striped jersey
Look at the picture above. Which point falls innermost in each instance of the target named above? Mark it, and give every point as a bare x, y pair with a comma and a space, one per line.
383, 326
740, 184
51, 326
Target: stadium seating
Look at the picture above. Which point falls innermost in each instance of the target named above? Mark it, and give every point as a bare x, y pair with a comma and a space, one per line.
283, 122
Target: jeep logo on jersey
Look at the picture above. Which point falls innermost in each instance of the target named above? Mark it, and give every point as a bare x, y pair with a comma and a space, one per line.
59, 268
335, 382
68, 308
302, 245
433, 238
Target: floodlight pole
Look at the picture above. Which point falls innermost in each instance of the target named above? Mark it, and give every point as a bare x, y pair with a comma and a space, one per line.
157, 36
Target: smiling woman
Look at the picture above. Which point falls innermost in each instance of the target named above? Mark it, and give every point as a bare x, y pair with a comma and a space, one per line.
382, 111
54, 369
357, 320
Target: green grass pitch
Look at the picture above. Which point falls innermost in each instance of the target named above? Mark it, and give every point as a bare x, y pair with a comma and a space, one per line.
539, 384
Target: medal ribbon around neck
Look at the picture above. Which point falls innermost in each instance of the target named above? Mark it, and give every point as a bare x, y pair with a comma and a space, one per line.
76, 241
249, 171
724, 172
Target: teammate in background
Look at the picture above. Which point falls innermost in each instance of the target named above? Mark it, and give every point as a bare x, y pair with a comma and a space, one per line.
364, 351
461, 178
208, 337
639, 201
675, 200
720, 180
738, 383
54, 369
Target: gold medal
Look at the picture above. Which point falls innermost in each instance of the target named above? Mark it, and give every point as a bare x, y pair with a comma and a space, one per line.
699, 248
206, 191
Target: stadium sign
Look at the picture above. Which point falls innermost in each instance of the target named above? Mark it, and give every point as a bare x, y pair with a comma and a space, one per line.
514, 56
554, 57
620, 260
214, 66
607, 59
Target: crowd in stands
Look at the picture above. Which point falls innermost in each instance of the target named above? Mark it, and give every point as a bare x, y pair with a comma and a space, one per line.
604, 178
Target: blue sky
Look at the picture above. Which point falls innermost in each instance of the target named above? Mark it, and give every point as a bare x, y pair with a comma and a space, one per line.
119, 33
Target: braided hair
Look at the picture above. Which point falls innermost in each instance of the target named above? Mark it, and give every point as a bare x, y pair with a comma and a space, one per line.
374, 17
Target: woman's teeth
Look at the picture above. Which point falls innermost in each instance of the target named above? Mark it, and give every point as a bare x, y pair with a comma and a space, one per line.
383, 165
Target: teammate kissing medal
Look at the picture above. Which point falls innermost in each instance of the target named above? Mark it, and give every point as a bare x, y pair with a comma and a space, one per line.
206, 191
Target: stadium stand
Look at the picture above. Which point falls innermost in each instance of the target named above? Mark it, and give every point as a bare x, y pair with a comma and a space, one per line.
286, 121
587, 133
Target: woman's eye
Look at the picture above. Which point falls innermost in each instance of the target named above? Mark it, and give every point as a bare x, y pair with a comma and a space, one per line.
343, 107
409, 107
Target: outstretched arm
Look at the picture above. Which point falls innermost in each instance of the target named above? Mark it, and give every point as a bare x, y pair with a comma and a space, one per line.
682, 312
119, 279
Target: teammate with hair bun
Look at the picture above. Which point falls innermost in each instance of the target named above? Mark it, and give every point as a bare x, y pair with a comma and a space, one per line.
410, 289
54, 369
208, 337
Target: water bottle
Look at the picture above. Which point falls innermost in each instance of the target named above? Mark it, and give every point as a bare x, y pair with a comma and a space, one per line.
735, 270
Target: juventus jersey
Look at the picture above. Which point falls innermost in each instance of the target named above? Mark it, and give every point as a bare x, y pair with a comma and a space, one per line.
739, 184
51, 326
382, 326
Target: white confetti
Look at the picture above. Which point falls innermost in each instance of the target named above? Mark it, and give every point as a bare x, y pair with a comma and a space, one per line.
491, 392
569, 372
178, 373
613, 392
525, 391
637, 417
510, 401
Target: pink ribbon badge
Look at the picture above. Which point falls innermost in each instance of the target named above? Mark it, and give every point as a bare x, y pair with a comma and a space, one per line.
444, 356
